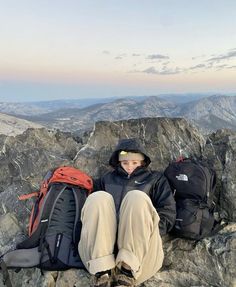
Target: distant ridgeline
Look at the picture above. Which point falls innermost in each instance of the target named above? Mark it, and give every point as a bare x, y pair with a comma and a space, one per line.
26, 158
207, 113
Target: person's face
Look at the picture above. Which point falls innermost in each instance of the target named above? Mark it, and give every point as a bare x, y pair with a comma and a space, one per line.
130, 165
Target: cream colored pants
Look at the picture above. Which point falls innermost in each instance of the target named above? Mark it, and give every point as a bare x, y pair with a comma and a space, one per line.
138, 239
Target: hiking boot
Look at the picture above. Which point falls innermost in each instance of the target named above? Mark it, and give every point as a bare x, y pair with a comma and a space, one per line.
123, 280
101, 281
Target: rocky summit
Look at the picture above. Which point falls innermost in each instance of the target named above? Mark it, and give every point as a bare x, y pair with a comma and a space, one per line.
25, 158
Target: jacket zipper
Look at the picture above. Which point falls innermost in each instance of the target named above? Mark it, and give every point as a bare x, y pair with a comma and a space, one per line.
123, 190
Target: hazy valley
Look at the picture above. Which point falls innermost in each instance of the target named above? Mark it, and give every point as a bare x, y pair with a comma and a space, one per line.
207, 113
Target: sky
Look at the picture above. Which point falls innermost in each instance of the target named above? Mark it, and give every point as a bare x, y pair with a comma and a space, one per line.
62, 49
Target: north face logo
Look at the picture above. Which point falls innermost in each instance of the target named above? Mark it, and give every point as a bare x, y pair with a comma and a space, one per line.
182, 177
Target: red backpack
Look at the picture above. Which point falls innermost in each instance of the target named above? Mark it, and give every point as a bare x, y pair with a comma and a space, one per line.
55, 226
63, 174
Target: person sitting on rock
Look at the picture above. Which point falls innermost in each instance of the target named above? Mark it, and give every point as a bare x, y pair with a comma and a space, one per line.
124, 218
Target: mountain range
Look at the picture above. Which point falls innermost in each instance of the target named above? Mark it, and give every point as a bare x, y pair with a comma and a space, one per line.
42, 107
207, 113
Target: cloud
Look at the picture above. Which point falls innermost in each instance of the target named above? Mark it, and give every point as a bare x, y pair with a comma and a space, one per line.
215, 62
220, 67
118, 58
231, 67
201, 63
199, 66
222, 57
106, 52
150, 70
157, 57
211, 66
163, 71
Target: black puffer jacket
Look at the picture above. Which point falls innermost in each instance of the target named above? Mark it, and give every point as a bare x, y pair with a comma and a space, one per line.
153, 183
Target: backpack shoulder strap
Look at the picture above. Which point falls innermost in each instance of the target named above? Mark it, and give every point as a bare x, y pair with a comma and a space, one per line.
80, 196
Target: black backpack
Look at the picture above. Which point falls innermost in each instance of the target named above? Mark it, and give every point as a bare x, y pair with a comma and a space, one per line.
193, 185
55, 224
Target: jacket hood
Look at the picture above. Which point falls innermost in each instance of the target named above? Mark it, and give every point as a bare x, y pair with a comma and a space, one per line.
130, 145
